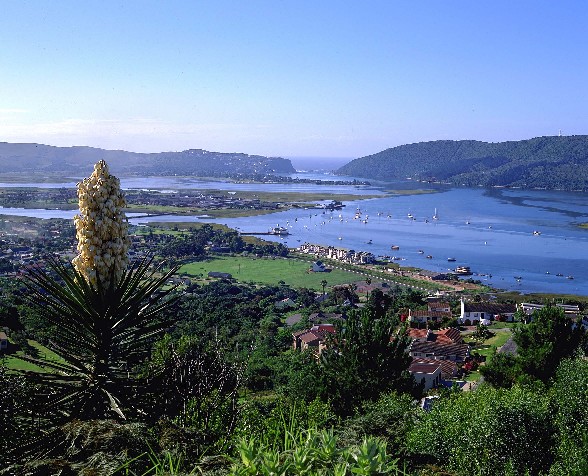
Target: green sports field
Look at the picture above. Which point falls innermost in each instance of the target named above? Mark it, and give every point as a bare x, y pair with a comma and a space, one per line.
270, 271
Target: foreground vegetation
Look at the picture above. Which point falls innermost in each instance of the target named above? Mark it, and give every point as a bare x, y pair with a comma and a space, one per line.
222, 394
151, 375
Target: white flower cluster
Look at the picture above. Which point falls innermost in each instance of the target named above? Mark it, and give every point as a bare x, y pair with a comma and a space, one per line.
101, 228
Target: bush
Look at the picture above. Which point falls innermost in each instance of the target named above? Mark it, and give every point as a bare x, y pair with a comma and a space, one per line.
488, 432
312, 453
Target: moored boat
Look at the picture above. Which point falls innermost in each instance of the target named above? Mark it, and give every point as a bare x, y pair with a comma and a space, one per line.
279, 230
463, 270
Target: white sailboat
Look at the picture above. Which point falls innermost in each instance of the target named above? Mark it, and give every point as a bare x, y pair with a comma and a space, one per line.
435, 217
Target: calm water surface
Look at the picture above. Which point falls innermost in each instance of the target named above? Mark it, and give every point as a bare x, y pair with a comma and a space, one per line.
490, 230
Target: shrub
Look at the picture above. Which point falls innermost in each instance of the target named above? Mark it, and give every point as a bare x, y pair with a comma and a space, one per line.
487, 432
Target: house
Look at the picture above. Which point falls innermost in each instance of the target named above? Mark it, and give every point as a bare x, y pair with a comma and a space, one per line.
3, 341
437, 310
439, 351
318, 267
320, 297
485, 312
286, 303
445, 344
569, 309
320, 317
449, 369
313, 338
447, 335
427, 316
426, 373
438, 306
218, 274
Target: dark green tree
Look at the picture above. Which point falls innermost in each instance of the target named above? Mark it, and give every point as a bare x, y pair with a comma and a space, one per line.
546, 341
570, 394
365, 358
502, 370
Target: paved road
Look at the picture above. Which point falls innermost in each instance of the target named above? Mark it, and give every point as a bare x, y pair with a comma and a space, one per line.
509, 347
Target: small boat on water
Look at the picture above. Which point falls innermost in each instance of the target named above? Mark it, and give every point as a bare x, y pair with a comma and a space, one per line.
463, 270
279, 230
435, 217
559, 274
420, 252
368, 242
536, 233
429, 257
410, 216
395, 247
451, 259
569, 277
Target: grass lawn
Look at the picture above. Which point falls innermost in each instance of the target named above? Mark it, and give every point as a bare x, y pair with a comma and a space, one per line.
14, 363
473, 376
502, 325
487, 347
269, 271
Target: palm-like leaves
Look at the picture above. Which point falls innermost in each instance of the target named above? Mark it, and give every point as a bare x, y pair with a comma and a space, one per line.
101, 333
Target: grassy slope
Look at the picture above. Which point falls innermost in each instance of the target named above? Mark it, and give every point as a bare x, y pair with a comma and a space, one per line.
14, 363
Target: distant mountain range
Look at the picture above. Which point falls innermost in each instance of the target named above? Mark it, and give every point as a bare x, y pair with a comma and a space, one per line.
79, 161
543, 162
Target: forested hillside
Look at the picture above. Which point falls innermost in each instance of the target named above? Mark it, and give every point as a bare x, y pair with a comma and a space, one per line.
542, 162
78, 161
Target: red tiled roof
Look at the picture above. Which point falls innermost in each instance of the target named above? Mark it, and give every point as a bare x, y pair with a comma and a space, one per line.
452, 333
448, 367
438, 349
424, 368
440, 314
417, 333
309, 337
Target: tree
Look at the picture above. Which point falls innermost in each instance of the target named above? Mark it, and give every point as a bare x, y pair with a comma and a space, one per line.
546, 341
570, 394
364, 359
324, 285
502, 370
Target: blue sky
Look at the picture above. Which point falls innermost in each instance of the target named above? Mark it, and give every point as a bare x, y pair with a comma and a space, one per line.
290, 78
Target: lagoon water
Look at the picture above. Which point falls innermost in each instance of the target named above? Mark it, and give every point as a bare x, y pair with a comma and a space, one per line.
489, 230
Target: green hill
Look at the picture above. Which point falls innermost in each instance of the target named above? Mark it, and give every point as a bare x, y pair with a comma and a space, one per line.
542, 162
78, 161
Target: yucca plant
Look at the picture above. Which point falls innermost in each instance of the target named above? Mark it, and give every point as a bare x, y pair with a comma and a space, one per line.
101, 335
104, 314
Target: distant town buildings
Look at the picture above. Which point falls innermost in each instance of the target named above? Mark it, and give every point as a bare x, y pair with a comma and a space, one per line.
338, 254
